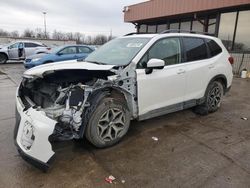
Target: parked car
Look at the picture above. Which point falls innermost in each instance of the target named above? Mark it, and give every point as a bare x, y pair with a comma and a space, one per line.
63, 53
132, 77
20, 50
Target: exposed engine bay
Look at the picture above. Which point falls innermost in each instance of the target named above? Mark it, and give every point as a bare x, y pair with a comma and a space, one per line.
64, 96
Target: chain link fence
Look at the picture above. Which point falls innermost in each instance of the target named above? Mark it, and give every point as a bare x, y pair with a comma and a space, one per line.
241, 61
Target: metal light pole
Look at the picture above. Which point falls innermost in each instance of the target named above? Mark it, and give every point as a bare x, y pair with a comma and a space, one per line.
44, 20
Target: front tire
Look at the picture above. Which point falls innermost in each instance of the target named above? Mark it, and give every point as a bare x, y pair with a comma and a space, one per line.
3, 58
108, 123
213, 98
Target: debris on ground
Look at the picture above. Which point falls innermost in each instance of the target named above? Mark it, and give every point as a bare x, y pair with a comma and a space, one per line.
155, 138
123, 181
110, 179
244, 118
2, 72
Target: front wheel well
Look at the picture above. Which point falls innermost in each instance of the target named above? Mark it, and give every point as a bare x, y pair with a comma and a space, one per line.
2, 53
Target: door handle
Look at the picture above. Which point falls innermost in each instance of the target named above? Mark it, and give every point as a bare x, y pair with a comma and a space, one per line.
181, 71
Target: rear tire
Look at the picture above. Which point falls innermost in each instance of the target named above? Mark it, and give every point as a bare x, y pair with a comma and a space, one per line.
3, 58
213, 98
108, 122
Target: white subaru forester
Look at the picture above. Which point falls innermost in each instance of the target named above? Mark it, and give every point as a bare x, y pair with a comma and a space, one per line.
132, 77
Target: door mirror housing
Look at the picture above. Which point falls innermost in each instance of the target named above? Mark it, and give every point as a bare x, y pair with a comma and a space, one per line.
154, 64
59, 53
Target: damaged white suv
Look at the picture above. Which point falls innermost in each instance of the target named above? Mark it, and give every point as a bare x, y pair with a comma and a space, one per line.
131, 77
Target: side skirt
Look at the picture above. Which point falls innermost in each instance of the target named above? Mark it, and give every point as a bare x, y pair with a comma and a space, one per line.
171, 109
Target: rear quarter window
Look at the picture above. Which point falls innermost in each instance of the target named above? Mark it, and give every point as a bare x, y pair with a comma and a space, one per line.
195, 49
214, 48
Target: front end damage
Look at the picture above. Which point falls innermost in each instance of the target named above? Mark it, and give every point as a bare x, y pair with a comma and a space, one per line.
52, 106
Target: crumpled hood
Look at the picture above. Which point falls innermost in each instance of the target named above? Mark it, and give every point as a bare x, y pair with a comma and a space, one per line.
65, 65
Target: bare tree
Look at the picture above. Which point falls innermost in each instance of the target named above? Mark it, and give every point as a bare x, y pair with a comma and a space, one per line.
58, 35
100, 39
14, 34
4, 33
39, 33
88, 40
29, 33
79, 38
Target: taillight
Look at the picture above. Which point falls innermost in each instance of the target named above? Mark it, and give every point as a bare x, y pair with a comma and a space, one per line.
231, 60
48, 48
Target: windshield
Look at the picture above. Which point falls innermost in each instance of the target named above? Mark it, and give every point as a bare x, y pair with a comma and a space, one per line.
118, 51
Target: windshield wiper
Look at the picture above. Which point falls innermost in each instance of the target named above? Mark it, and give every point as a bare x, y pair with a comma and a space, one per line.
97, 62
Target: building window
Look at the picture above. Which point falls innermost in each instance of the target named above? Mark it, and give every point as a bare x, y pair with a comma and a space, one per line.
151, 28
242, 40
198, 26
174, 26
186, 26
161, 28
143, 29
211, 25
226, 29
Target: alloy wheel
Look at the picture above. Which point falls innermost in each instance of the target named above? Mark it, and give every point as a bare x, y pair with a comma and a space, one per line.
111, 124
214, 97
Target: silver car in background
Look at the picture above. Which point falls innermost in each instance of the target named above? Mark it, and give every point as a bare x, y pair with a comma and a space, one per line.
19, 50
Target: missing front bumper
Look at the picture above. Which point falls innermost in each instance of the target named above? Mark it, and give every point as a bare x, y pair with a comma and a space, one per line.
31, 135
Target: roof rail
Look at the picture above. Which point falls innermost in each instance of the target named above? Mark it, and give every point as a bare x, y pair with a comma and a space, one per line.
135, 33
184, 31
173, 31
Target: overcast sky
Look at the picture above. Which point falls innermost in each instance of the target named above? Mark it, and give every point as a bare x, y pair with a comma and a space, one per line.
85, 16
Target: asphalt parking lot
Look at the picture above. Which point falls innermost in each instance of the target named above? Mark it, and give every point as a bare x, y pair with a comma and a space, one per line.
191, 151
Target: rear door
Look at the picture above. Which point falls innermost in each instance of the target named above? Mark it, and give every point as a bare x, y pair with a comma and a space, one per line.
163, 90
30, 48
198, 65
83, 52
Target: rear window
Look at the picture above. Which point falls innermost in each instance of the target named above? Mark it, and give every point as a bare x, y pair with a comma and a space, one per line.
214, 48
195, 48
30, 45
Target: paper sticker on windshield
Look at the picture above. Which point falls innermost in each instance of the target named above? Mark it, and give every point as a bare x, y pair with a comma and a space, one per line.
134, 45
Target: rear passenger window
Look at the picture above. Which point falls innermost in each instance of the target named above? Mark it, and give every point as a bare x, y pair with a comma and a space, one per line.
196, 49
30, 45
214, 48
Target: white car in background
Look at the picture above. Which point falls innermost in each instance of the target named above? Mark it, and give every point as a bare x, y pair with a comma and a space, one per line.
20, 50
132, 77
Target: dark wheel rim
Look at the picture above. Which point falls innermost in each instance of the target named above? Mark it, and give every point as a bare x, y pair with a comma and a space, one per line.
214, 97
111, 124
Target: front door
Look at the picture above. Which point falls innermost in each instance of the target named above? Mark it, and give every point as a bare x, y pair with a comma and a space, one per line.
68, 53
163, 90
13, 51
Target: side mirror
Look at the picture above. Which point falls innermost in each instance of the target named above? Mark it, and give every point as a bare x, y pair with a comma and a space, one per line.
154, 64
59, 53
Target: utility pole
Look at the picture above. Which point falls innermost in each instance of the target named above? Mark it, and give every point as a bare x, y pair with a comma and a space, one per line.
110, 35
44, 21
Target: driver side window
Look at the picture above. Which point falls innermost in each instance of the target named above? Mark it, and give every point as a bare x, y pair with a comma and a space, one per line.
168, 50
14, 45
